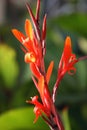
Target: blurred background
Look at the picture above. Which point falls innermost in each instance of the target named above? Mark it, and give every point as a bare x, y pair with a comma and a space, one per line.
64, 17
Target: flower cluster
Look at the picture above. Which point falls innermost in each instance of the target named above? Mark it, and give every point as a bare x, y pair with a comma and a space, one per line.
34, 47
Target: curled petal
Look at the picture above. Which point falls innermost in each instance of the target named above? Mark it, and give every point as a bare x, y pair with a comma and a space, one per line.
72, 71
30, 57
72, 58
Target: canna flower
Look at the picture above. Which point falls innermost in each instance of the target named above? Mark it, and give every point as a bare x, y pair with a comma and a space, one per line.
42, 87
33, 43
31, 47
33, 56
67, 60
39, 109
34, 47
66, 64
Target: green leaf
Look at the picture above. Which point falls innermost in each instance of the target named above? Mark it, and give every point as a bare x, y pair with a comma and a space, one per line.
8, 65
21, 119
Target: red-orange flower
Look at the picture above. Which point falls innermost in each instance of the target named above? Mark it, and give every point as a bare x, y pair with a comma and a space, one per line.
42, 87
39, 108
34, 48
66, 64
67, 60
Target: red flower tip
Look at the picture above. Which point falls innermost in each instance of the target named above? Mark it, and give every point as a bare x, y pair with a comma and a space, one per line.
68, 42
67, 49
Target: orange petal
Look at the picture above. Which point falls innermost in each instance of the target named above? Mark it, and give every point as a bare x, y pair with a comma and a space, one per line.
41, 86
67, 44
28, 29
35, 70
49, 71
20, 36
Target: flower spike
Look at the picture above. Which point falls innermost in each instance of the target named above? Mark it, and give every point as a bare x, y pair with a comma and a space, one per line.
34, 47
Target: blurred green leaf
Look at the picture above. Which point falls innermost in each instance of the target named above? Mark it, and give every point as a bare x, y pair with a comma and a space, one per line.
8, 65
76, 23
21, 119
